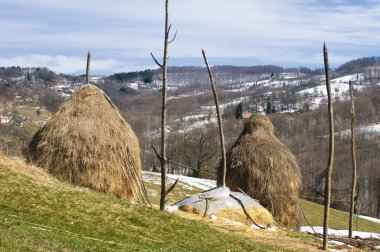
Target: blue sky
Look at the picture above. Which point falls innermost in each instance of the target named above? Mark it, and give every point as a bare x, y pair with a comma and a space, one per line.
122, 33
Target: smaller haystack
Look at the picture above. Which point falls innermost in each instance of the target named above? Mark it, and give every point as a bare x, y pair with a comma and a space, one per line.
261, 166
88, 143
227, 205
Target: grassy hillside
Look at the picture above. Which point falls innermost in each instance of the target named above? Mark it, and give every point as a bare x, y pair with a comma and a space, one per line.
37, 212
337, 219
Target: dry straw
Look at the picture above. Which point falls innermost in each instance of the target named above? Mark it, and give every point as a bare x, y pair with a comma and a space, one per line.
88, 143
260, 165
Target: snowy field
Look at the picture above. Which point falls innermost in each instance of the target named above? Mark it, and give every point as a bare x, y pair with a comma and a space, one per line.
368, 130
343, 233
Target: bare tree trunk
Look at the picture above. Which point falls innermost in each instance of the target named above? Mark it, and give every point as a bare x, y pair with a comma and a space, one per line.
88, 67
162, 156
222, 146
163, 115
331, 153
353, 177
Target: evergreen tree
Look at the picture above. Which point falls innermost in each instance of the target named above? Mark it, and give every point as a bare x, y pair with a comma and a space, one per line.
239, 111
269, 107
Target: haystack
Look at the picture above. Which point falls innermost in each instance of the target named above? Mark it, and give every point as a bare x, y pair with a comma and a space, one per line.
88, 143
261, 166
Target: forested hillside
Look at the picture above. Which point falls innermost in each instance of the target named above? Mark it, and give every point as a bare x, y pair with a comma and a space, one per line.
293, 98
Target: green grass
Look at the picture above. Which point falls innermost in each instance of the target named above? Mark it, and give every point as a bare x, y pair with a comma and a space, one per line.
337, 219
39, 213
31, 112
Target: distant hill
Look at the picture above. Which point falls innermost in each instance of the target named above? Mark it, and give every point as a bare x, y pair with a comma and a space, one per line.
358, 65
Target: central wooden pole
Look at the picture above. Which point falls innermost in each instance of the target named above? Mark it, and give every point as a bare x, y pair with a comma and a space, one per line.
222, 145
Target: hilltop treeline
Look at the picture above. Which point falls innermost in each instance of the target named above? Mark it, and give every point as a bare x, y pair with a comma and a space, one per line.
358, 65
145, 75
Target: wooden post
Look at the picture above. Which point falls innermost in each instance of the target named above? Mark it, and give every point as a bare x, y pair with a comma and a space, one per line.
331, 153
88, 67
353, 177
222, 146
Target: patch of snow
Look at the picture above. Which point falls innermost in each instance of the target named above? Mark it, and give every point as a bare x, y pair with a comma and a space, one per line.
337, 90
271, 229
337, 243
200, 116
347, 78
331, 231
370, 218
186, 95
373, 128
228, 221
171, 209
224, 105
190, 182
288, 111
214, 217
337, 250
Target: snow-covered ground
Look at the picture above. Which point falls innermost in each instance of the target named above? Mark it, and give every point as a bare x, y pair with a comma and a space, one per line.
190, 182
339, 89
224, 105
186, 95
370, 218
319, 230
352, 77
373, 128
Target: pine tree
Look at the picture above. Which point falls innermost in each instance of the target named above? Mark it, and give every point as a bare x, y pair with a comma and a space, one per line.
239, 111
269, 107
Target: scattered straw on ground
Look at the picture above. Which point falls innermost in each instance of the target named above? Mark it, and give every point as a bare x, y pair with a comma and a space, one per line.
259, 214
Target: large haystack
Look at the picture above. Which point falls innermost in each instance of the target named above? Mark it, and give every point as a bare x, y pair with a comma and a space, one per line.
88, 143
260, 165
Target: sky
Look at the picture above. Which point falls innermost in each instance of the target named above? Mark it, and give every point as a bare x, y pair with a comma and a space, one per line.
122, 33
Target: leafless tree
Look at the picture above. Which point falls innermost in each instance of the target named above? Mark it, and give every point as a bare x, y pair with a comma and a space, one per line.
199, 149
222, 145
353, 177
331, 153
162, 156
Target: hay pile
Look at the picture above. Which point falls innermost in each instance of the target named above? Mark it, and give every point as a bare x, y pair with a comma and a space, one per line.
88, 143
260, 165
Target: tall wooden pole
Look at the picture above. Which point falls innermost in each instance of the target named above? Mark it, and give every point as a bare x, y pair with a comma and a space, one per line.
163, 115
331, 153
222, 145
88, 67
353, 176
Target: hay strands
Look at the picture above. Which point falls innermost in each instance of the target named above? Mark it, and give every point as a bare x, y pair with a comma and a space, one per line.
245, 211
272, 214
209, 198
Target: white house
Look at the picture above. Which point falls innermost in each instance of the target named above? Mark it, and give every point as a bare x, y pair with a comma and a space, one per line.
5, 119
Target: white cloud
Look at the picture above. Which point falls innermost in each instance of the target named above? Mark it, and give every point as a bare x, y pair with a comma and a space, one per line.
70, 64
120, 31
